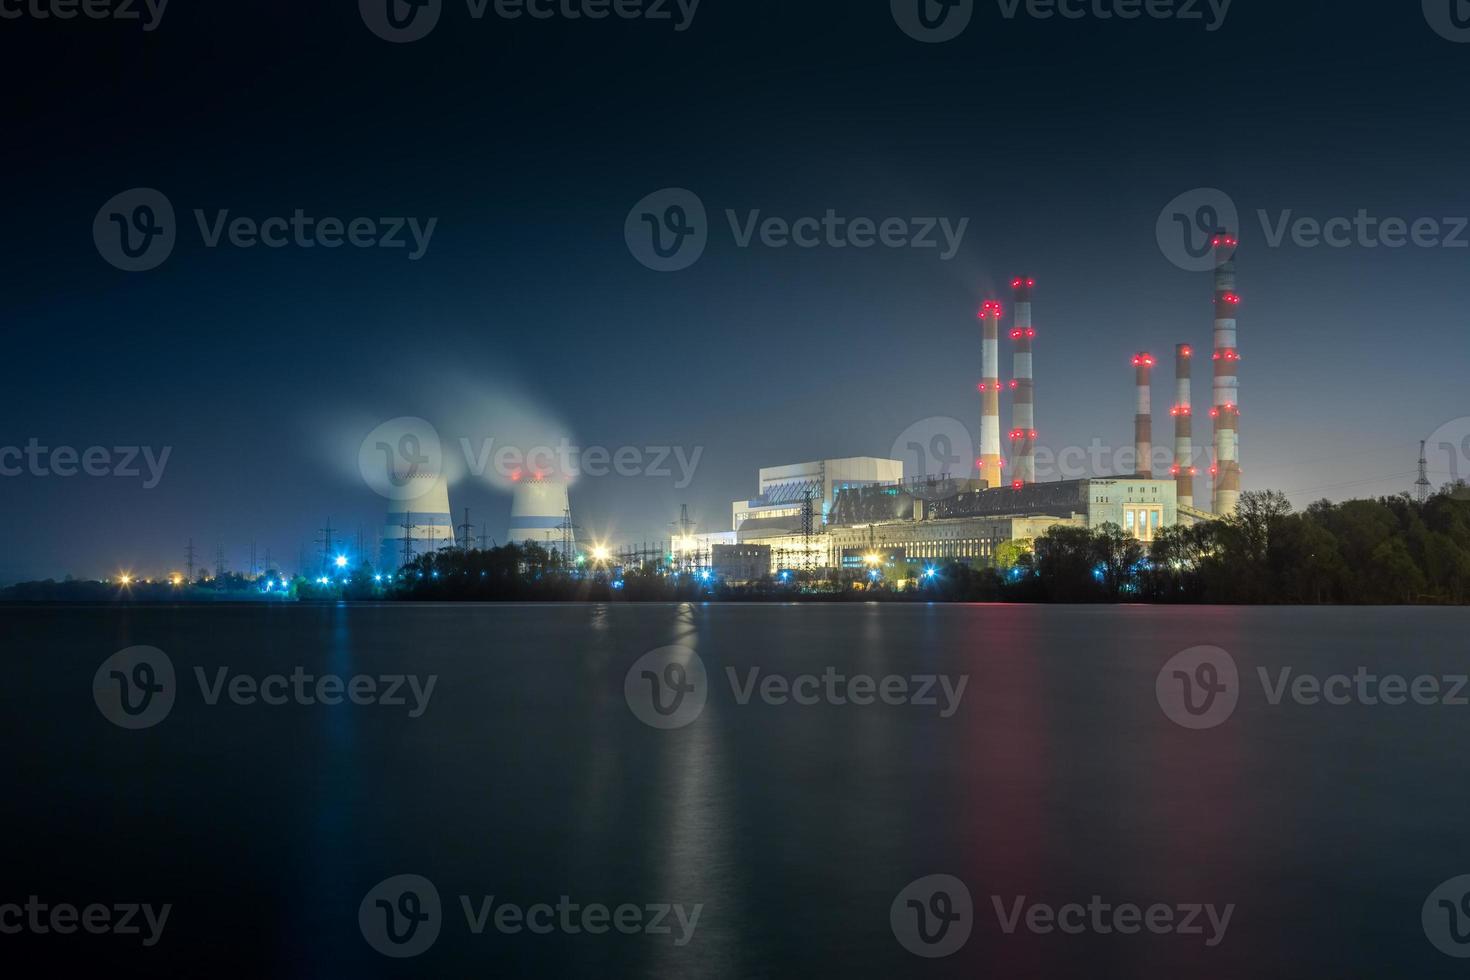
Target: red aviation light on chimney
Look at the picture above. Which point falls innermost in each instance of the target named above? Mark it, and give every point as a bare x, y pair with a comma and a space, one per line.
516, 476
990, 308
1013, 385
1018, 485
1016, 334
1224, 241
1143, 360
1015, 283
1232, 298
1031, 435
1174, 470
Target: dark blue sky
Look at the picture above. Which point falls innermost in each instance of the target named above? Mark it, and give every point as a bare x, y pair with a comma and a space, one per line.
1061, 142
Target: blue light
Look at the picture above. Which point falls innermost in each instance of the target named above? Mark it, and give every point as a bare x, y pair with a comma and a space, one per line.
377, 578
704, 575
930, 572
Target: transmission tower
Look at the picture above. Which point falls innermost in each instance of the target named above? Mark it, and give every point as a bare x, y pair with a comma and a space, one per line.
1421, 485
189, 559
467, 528
326, 542
219, 561
567, 529
408, 529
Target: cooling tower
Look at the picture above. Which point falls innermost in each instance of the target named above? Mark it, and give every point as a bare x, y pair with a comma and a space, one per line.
539, 510
418, 525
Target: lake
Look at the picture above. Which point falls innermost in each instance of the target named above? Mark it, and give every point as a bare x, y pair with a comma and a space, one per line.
722, 790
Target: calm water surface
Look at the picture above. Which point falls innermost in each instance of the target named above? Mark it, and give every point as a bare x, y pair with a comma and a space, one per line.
794, 827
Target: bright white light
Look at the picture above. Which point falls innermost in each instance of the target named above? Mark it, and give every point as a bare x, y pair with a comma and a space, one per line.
341, 561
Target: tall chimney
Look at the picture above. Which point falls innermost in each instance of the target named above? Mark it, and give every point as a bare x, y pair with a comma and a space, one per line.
1143, 418
1226, 408
991, 462
1183, 469
1023, 402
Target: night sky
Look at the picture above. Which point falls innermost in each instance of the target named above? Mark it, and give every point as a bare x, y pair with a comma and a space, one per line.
527, 317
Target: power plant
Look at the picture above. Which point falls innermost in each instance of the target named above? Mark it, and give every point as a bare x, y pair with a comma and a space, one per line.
852, 513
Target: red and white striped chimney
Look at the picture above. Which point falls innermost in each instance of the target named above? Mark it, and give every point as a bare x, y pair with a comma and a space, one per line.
1143, 417
1226, 408
1023, 401
991, 462
1183, 470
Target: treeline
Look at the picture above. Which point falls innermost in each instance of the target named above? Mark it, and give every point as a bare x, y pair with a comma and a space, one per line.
1392, 550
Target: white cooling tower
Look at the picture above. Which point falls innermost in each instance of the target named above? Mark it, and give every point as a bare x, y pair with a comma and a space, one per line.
538, 510
420, 524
